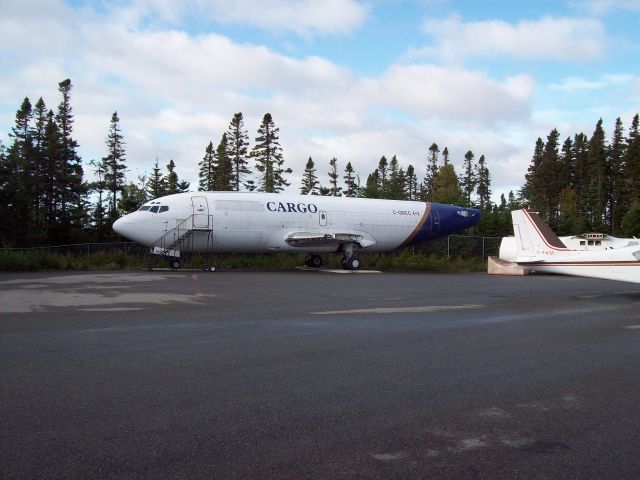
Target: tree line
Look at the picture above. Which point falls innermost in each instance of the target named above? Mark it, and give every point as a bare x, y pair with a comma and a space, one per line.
46, 199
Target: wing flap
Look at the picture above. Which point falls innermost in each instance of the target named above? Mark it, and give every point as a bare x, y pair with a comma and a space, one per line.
335, 239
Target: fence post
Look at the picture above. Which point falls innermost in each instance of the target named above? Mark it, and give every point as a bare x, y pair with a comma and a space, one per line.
448, 247
483, 249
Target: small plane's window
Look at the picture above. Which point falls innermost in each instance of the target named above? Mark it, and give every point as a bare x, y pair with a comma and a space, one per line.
582, 242
598, 242
154, 209
163, 208
144, 208
590, 242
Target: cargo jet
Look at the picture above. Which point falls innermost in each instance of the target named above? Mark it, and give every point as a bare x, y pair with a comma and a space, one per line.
536, 247
210, 222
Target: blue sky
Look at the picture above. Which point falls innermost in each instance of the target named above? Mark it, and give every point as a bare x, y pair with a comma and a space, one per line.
351, 79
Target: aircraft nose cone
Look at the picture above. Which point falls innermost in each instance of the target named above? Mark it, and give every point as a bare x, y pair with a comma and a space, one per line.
122, 227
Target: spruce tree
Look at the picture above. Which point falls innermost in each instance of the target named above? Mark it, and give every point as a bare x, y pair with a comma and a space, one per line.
383, 172
224, 177
206, 173
446, 187
113, 165
156, 184
632, 160
483, 185
267, 153
350, 181
238, 140
372, 187
468, 178
396, 187
309, 179
432, 169
173, 183
411, 184
334, 189
618, 197
69, 176
597, 171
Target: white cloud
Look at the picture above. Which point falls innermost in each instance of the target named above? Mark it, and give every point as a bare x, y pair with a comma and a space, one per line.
546, 39
599, 7
302, 17
571, 84
174, 92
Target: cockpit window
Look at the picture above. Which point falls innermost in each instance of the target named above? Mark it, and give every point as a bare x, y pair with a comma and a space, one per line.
144, 208
154, 209
164, 208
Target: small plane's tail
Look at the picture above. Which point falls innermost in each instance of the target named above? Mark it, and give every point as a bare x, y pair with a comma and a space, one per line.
532, 235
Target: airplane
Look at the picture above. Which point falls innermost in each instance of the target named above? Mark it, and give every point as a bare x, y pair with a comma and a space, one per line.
210, 222
535, 247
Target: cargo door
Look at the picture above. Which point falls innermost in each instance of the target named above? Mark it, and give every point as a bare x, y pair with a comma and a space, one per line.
200, 212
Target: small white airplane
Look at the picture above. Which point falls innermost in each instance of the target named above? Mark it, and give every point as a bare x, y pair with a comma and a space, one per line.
210, 222
536, 247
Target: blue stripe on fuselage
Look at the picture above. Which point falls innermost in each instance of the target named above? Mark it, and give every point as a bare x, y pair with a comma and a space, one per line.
445, 220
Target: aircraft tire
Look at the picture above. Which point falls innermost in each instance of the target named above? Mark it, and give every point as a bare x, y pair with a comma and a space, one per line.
315, 261
174, 264
353, 263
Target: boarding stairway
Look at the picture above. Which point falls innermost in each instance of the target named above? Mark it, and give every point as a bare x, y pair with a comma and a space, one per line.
182, 236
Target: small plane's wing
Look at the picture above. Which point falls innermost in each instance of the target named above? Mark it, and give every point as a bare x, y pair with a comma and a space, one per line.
315, 239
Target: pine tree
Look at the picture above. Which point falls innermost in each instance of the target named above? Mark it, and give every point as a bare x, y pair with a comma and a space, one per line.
238, 139
445, 156
113, 165
334, 189
206, 173
309, 179
268, 156
224, 177
550, 178
350, 181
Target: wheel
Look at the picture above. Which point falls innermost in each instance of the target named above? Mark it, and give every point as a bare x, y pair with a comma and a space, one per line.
307, 260
174, 263
315, 261
353, 263
212, 268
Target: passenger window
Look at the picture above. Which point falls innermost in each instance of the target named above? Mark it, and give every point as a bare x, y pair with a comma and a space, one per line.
590, 242
154, 209
144, 208
581, 242
164, 208
598, 242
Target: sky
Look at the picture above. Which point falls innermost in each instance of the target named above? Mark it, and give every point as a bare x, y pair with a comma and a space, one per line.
351, 79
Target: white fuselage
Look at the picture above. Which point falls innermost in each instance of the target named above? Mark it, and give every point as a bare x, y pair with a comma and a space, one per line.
262, 222
536, 248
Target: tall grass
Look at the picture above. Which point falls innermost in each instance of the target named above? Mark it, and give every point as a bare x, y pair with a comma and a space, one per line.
404, 260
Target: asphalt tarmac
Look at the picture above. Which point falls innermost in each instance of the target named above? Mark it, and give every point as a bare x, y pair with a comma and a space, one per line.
314, 375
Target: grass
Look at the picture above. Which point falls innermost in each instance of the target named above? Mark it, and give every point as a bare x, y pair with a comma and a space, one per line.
404, 260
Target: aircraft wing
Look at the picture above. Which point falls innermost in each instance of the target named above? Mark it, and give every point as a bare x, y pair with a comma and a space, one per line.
315, 239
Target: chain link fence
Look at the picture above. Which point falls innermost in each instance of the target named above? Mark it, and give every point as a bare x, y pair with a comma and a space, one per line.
453, 246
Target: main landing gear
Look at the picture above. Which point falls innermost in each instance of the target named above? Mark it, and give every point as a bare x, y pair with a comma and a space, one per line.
349, 261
